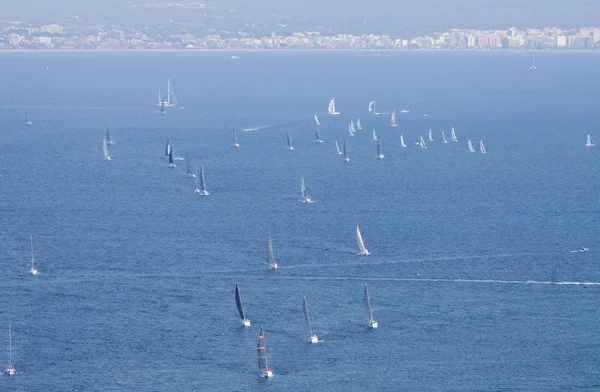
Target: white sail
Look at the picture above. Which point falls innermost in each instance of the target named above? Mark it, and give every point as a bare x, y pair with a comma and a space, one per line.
402, 141
331, 108
393, 122
352, 126
422, 143
33, 270
358, 126
203, 190
289, 142
105, 149
305, 197
482, 147
312, 338
444, 138
350, 129
367, 302
533, 63
372, 108
359, 242
235, 139
379, 153
270, 254
10, 370
346, 157
317, 120
337, 148
27, 119
374, 135
589, 142
430, 138
470, 146
453, 136
318, 135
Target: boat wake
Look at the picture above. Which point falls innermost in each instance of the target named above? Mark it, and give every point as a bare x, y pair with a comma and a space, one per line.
254, 129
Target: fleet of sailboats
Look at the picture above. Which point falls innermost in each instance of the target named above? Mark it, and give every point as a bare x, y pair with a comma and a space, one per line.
32, 270
261, 350
270, 255
393, 122
360, 244
470, 146
289, 142
331, 108
105, 150
589, 142
10, 370
312, 338
367, 300
240, 307
305, 197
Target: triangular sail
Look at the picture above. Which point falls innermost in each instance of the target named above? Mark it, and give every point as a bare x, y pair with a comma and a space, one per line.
444, 137
375, 135
108, 139
482, 147
372, 107
453, 135
270, 255
171, 99
303, 188
317, 120
261, 350
352, 126
235, 139
345, 152
202, 183
289, 141
197, 190
422, 143
589, 142
306, 318
350, 130
31, 242
367, 302
238, 302
359, 242
331, 108
470, 146
402, 141
337, 147
104, 148
393, 122
358, 126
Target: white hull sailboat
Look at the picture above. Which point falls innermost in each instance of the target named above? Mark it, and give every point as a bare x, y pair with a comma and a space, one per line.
367, 301
240, 307
430, 138
235, 139
393, 122
261, 350
27, 119
32, 270
10, 370
312, 338
589, 142
289, 143
422, 143
379, 153
305, 197
270, 255
444, 138
171, 98
470, 146
360, 244
482, 147
203, 191
105, 150
331, 108
402, 141
337, 148
453, 136
346, 157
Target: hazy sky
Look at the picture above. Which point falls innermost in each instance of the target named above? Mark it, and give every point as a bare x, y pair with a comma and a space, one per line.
374, 15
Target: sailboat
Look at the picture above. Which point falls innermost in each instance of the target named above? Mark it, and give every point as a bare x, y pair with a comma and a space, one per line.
27, 120
261, 350
346, 157
337, 147
171, 159
361, 245
379, 153
367, 300
317, 120
482, 147
197, 190
352, 126
10, 370
33, 270
374, 135
105, 150
318, 135
589, 142
444, 138
533, 63
358, 126
453, 136
203, 191
168, 147
430, 138
305, 197
393, 122
422, 143
372, 109
109, 140
312, 338
235, 139
171, 98
470, 146
240, 307
270, 256
350, 129
331, 108
402, 141
289, 141
188, 165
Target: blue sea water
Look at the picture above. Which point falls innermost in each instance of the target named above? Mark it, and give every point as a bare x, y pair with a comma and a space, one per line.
470, 273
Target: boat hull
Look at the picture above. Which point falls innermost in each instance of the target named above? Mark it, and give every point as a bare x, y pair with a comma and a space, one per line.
246, 323
273, 266
313, 339
373, 324
267, 373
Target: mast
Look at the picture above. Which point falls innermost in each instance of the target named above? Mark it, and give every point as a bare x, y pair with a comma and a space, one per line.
105, 149
202, 183
196, 181
168, 92
262, 351
470, 146
444, 137
367, 302
289, 141
318, 134
482, 147
10, 365
379, 154
270, 255
235, 139
31, 242
238, 301
317, 120
307, 318
337, 147
303, 188
453, 136
346, 158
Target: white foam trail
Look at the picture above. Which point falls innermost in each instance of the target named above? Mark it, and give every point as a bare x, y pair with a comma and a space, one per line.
256, 128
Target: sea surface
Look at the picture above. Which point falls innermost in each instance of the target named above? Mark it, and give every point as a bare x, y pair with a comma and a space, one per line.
471, 274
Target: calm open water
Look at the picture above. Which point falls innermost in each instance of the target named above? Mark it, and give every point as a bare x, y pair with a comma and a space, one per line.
470, 252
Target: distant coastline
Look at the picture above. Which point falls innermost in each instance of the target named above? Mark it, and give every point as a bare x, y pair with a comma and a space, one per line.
328, 50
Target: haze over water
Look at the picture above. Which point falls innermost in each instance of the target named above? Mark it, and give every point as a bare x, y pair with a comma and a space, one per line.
470, 273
